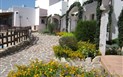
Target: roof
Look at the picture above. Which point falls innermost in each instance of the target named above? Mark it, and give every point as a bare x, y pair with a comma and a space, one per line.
6, 13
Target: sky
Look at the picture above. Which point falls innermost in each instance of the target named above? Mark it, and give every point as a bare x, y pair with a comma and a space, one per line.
5, 4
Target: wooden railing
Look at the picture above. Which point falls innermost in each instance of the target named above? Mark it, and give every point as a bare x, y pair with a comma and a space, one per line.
13, 36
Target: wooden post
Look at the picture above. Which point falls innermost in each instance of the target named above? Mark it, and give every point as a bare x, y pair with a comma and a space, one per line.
7, 38
2, 41
14, 37
19, 35
11, 37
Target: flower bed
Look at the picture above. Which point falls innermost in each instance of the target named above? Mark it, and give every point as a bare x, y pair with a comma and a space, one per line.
84, 50
51, 69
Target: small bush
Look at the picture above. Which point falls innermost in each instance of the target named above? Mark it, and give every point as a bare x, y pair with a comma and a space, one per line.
85, 31
114, 41
64, 34
66, 53
46, 31
60, 33
88, 49
113, 50
51, 28
68, 41
51, 69
84, 50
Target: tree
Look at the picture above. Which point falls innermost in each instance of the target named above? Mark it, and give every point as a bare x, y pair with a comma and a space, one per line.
120, 29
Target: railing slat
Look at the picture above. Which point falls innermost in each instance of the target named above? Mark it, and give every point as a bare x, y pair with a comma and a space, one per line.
13, 36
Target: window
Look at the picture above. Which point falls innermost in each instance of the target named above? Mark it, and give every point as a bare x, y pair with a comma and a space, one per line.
16, 12
92, 16
85, 18
34, 27
42, 21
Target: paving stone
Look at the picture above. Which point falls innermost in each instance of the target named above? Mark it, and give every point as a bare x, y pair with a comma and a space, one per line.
42, 50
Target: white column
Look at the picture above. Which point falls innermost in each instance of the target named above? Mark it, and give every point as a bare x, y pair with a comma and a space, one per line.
103, 32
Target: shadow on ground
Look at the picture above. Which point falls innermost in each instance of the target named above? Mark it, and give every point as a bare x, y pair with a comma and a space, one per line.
18, 48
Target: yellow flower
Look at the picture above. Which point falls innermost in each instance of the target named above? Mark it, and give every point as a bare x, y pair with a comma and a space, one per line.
66, 65
51, 70
36, 75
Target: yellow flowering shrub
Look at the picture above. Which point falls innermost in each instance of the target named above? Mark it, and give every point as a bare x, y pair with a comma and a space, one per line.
88, 49
84, 49
64, 34
50, 69
66, 52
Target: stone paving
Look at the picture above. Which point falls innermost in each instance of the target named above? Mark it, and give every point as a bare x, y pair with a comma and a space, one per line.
42, 50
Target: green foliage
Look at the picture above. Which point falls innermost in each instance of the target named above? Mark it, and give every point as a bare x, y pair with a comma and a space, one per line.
109, 25
40, 69
114, 41
80, 12
84, 50
66, 52
51, 69
120, 28
45, 31
85, 31
47, 21
88, 2
67, 13
64, 34
51, 27
88, 49
113, 50
68, 41
99, 13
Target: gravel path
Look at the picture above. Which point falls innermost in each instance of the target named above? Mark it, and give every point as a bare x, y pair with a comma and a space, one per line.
42, 50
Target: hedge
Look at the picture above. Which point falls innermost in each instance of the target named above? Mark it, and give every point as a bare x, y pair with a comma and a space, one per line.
85, 31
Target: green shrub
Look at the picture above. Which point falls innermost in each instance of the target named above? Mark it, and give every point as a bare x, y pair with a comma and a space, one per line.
51, 69
64, 34
114, 41
45, 31
66, 53
120, 28
88, 49
51, 27
68, 41
84, 50
67, 34
85, 30
113, 50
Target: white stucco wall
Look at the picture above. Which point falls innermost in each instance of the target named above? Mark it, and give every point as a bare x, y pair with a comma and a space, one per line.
37, 14
41, 26
73, 23
90, 9
58, 8
44, 4
27, 16
63, 23
51, 2
117, 7
40, 13
43, 12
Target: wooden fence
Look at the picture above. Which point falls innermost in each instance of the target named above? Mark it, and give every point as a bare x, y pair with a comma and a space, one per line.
13, 36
